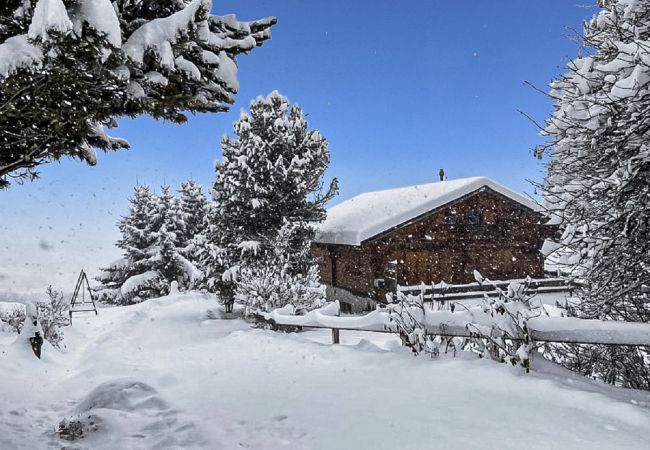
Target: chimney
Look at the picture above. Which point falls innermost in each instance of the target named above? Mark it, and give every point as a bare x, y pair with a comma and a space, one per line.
441, 174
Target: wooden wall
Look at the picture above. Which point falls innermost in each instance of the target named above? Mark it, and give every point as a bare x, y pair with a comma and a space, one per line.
504, 244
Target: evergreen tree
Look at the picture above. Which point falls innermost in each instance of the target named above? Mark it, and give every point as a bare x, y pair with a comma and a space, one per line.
136, 229
111, 279
165, 225
212, 256
193, 209
136, 242
152, 257
598, 184
269, 180
69, 68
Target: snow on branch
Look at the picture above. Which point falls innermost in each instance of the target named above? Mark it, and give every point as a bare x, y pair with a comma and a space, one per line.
49, 15
101, 16
118, 60
17, 52
134, 282
159, 33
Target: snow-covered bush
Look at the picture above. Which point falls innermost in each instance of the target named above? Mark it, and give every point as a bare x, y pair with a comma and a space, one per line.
53, 316
508, 340
68, 69
14, 318
51, 313
269, 286
71, 430
597, 189
504, 337
279, 272
603, 362
612, 364
408, 315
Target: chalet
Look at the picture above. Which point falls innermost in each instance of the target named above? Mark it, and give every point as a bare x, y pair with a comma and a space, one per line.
429, 233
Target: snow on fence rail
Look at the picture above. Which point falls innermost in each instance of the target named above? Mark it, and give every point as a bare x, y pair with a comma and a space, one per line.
446, 292
456, 324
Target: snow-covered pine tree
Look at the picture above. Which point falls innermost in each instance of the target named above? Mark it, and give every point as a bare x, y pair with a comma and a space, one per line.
110, 279
68, 69
136, 241
193, 206
152, 257
270, 179
165, 225
598, 184
194, 210
136, 229
212, 257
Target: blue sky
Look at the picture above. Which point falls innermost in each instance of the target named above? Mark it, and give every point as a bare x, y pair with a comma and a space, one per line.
400, 89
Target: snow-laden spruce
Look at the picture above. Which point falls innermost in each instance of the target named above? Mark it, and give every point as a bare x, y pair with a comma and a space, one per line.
158, 238
598, 184
194, 208
68, 69
269, 193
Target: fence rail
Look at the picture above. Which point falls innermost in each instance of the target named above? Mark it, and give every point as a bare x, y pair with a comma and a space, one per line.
446, 323
446, 292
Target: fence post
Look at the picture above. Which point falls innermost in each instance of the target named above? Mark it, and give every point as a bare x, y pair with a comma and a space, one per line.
335, 333
335, 336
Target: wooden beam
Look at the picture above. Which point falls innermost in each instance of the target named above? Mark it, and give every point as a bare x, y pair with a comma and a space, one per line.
444, 323
336, 339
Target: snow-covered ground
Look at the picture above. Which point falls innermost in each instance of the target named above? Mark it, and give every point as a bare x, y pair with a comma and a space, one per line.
162, 375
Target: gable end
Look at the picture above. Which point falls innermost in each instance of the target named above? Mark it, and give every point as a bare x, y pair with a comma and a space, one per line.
461, 199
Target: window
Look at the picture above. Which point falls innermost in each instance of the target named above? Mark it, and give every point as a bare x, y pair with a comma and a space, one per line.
390, 280
450, 217
391, 269
474, 216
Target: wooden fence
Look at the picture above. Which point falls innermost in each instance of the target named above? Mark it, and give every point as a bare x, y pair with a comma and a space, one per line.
445, 292
456, 324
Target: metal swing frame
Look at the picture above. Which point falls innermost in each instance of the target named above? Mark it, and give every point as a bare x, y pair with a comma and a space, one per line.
75, 297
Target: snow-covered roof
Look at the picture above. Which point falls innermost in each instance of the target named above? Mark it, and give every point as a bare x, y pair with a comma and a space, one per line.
369, 214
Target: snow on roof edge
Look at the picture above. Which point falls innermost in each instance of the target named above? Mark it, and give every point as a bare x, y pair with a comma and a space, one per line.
371, 213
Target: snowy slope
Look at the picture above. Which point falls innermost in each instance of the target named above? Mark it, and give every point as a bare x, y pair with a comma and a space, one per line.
371, 213
159, 374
